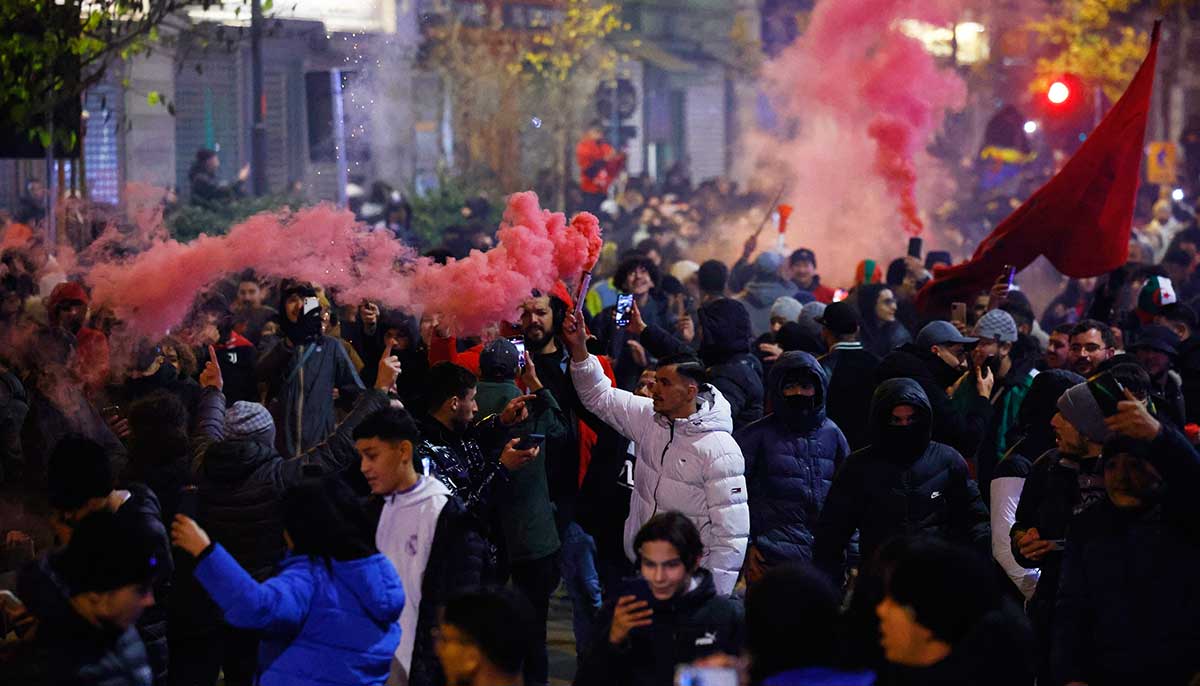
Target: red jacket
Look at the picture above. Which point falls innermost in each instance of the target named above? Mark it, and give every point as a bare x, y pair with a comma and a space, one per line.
596, 171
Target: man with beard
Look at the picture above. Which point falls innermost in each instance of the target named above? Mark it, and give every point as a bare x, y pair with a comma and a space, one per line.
791, 456
1061, 484
1092, 344
589, 511
1057, 349
302, 371
904, 483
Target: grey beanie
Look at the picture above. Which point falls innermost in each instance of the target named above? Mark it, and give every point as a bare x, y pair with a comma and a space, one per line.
813, 310
1079, 407
787, 308
249, 421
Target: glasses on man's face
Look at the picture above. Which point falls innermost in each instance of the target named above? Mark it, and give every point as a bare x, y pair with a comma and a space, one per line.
1090, 348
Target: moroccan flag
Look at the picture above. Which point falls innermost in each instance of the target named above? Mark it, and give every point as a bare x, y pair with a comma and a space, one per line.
1080, 220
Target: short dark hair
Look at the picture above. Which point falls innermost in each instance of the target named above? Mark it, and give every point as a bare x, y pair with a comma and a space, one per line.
1177, 256
713, 276
325, 519
248, 275
788, 615
1087, 325
1179, 313
447, 380
1021, 313
497, 620
391, 424
676, 529
631, 263
948, 588
1132, 376
558, 309
688, 366
1065, 327
645, 245
78, 471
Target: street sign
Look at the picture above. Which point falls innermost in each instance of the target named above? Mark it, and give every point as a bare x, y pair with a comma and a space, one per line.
1162, 163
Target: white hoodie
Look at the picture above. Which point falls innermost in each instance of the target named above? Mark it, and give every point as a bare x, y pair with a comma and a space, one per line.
405, 536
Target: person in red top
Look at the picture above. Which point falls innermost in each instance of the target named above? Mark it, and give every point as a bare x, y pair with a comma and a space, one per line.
66, 311
599, 165
803, 263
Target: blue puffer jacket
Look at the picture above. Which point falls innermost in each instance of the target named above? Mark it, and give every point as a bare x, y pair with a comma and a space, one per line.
791, 456
322, 624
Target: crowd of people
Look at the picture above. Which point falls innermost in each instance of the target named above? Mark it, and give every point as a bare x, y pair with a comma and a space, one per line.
739, 470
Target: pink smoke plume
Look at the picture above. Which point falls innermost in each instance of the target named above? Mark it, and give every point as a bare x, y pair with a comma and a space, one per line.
863, 101
153, 291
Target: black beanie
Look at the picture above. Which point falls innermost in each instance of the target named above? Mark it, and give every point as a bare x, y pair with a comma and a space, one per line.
105, 555
78, 471
948, 588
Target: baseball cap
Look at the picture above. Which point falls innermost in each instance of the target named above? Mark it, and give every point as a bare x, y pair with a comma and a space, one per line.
940, 332
841, 318
997, 325
1157, 337
803, 255
499, 360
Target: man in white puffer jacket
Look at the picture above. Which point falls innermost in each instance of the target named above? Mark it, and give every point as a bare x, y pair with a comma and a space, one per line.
687, 459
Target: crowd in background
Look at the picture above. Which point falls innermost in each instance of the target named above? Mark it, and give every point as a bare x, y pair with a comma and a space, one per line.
725, 466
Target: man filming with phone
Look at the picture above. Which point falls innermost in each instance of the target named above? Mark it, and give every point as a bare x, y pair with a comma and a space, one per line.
673, 602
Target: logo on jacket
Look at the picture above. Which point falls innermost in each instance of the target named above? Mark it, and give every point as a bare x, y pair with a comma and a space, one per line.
707, 639
410, 546
232, 358
935, 494
735, 490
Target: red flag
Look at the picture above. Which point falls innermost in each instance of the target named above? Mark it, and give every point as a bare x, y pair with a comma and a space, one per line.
1081, 219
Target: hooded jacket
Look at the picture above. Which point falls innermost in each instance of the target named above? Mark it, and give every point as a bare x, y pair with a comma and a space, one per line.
725, 337
691, 465
882, 493
851, 369
961, 427
324, 621
694, 624
791, 457
68, 649
438, 549
1129, 596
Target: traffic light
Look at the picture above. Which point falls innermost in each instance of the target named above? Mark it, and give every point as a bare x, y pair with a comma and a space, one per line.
1058, 93
1067, 110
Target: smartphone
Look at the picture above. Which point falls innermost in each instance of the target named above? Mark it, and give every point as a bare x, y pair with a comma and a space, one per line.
992, 364
915, 244
1108, 392
637, 587
111, 412
520, 343
705, 676
958, 312
1059, 543
189, 501
531, 441
1010, 273
309, 305
624, 307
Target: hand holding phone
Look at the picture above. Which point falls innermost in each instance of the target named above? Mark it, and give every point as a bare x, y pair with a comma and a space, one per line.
623, 309
633, 610
531, 441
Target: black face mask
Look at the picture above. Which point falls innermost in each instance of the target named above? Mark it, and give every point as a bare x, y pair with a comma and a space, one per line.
905, 442
801, 404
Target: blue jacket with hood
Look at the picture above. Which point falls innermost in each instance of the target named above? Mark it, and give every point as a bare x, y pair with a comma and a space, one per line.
322, 623
791, 456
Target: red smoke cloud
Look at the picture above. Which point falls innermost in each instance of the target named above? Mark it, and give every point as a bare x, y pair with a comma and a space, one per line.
153, 291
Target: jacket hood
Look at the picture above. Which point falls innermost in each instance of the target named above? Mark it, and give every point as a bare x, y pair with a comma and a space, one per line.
788, 364
895, 392
425, 489
713, 414
374, 582
762, 293
232, 461
704, 591
726, 330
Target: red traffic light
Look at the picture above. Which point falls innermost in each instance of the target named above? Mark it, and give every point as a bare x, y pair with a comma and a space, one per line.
1058, 93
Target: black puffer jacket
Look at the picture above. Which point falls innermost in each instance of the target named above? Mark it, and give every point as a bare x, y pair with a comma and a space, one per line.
241, 486
143, 511
68, 649
881, 495
725, 335
687, 627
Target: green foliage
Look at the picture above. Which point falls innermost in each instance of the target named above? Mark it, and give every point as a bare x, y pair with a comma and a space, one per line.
190, 221
442, 208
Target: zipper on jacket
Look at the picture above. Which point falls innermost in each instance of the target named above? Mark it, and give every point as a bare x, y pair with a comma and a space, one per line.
662, 460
